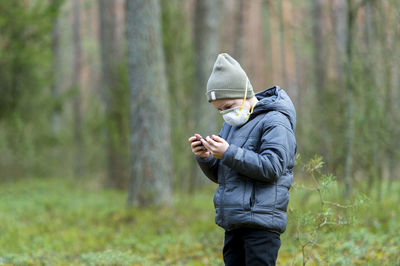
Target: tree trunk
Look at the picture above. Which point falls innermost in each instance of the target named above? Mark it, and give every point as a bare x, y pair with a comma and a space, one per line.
319, 54
266, 12
77, 85
206, 48
238, 44
393, 101
282, 44
349, 130
150, 120
388, 46
320, 63
112, 92
55, 89
340, 22
297, 80
178, 50
371, 94
352, 11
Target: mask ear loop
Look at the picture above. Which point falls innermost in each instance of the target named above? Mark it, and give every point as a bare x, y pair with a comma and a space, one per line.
244, 99
252, 108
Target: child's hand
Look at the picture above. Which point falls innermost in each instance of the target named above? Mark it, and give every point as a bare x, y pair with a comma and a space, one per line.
197, 147
216, 145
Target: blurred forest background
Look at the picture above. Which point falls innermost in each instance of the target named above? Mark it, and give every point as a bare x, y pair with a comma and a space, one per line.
99, 98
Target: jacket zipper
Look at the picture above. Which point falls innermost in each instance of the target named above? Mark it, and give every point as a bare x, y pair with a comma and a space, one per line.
228, 138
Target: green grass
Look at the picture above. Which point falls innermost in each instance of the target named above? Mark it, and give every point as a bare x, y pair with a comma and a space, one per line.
55, 221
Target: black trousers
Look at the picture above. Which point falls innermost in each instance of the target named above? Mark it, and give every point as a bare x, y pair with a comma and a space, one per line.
250, 246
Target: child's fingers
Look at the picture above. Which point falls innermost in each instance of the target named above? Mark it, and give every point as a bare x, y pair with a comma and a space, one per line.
211, 141
217, 138
192, 138
206, 144
195, 137
196, 143
199, 148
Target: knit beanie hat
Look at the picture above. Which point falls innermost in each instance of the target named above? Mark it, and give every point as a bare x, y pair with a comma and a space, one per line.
227, 80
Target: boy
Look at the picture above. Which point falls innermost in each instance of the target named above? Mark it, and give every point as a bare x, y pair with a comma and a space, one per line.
252, 160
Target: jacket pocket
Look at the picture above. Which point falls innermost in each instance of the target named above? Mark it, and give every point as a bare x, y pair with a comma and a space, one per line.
282, 198
252, 196
247, 191
232, 194
264, 194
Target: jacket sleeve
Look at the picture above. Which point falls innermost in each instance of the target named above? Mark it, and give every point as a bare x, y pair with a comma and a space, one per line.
209, 166
276, 153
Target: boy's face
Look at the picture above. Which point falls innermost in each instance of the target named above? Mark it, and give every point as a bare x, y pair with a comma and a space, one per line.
223, 104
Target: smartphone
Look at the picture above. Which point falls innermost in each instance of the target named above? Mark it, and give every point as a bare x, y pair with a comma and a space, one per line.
201, 144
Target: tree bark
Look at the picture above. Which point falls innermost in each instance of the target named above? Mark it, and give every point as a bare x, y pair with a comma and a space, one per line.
352, 11
77, 86
282, 44
150, 120
55, 88
112, 91
349, 130
371, 94
319, 54
340, 22
266, 11
206, 47
320, 63
238, 44
392, 98
388, 46
297, 81
178, 50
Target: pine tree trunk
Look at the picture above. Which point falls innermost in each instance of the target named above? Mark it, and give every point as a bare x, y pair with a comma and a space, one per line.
55, 89
266, 11
340, 22
206, 49
77, 86
282, 45
350, 87
297, 88
150, 120
343, 51
111, 92
319, 54
241, 8
178, 50
320, 63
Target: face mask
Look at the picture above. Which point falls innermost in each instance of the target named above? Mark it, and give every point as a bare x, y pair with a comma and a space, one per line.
237, 116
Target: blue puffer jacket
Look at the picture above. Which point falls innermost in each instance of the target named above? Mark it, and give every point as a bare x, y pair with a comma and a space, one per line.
256, 171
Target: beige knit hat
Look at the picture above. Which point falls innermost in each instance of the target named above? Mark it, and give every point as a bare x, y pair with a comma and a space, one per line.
227, 80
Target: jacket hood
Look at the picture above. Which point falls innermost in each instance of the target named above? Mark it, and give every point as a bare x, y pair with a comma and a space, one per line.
275, 99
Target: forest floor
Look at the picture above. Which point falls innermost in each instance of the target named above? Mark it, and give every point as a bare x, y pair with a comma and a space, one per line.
62, 222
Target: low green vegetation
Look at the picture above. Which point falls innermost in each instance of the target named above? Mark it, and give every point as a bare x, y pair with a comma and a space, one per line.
63, 221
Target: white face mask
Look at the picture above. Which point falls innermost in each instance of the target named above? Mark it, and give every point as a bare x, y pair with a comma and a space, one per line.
237, 116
